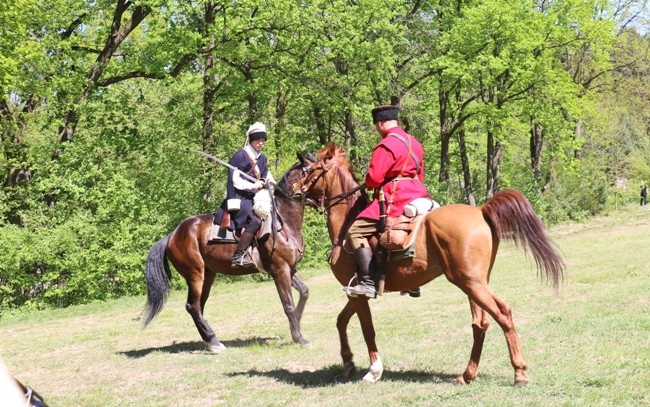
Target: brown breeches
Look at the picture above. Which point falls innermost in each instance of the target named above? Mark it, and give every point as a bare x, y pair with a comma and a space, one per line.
360, 231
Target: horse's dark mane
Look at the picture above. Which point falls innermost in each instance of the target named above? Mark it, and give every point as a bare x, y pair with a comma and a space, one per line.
284, 189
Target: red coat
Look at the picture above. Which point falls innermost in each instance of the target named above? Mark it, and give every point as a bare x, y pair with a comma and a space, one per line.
385, 164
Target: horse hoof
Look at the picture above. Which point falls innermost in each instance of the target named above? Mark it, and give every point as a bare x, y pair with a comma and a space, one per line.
215, 348
375, 372
305, 344
521, 382
348, 370
459, 381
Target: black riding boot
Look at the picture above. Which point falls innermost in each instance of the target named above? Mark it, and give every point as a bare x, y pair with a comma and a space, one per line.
238, 259
366, 286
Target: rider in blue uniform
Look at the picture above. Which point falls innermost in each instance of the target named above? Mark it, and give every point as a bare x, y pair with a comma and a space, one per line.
248, 160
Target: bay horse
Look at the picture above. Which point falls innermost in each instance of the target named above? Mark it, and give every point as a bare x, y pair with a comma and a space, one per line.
198, 262
458, 241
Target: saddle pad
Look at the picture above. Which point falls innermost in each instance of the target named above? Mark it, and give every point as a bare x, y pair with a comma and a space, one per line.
219, 235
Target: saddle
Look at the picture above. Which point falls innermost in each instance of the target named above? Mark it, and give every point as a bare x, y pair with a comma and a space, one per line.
398, 236
223, 230
399, 233
398, 239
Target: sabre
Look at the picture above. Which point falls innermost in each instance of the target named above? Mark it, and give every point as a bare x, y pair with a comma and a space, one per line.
383, 255
222, 162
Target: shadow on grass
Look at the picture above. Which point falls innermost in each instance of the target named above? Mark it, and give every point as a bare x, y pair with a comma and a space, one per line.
198, 347
333, 375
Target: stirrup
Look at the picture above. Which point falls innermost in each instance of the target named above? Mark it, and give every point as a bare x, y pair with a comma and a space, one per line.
415, 293
242, 262
348, 290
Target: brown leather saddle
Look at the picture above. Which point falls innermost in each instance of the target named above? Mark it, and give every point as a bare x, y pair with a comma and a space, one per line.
398, 238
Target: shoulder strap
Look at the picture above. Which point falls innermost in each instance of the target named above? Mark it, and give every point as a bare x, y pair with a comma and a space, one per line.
254, 166
408, 145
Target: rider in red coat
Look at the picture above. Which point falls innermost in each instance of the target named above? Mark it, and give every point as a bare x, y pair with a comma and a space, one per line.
397, 166
391, 160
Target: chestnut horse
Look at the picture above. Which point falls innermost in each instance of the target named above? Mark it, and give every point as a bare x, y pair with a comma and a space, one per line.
457, 241
198, 261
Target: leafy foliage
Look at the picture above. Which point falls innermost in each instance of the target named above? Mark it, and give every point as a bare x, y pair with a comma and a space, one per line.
104, 105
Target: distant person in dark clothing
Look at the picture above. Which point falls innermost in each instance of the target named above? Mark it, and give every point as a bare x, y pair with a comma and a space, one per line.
644, 195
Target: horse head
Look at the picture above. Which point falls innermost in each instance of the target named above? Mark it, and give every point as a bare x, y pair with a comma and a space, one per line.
314, 184
295, 173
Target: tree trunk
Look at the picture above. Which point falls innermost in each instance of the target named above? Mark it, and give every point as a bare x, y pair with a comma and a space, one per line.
578, 136
494, 151
467, 175
251, 97
12, 126
209, 86
351, 136
536, 143
281, 103
445, 134
321, 127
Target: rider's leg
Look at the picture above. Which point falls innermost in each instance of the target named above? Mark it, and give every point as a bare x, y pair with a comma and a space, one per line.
253, 223
359, 232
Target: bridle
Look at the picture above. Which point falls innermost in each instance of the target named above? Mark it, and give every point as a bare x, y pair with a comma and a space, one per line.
311, 177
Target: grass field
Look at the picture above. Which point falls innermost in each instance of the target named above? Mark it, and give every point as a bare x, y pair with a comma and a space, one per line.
587, 346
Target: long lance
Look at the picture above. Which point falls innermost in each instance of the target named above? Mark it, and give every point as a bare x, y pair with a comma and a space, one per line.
222, 162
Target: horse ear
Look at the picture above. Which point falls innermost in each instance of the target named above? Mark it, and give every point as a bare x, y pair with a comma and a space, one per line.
305, 158
310, 158
328, 151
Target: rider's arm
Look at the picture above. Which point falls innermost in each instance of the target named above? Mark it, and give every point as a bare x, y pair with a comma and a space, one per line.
269, 178
241, 161
240, 183
381, 162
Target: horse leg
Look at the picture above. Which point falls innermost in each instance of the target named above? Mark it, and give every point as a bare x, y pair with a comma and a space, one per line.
480, 326
196, 298
365, 318
346, 353
303, 290
283, 282
502, 314
213, 345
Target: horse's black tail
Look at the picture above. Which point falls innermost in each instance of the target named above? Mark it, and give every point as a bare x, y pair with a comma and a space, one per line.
157, 275
511, 216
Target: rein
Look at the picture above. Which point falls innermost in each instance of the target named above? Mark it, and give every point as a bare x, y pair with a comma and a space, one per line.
339, 197
281, 190
326, 202
32, 397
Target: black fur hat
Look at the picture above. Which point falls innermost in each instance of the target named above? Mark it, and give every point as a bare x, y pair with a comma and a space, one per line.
384, 113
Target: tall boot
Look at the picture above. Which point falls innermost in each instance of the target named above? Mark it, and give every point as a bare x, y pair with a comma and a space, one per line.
238, 259
366, 286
